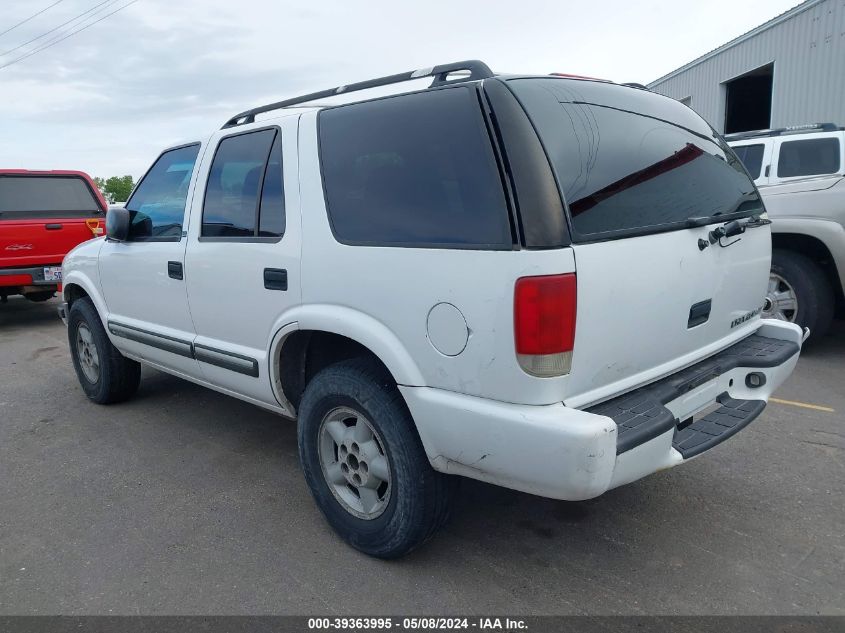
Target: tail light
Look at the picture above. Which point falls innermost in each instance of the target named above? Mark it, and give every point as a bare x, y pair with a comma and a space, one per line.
544, 323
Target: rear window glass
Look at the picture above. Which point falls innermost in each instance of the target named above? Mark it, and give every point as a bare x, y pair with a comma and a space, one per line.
810, 157
45, 197
752, 157
629, 161
413, 170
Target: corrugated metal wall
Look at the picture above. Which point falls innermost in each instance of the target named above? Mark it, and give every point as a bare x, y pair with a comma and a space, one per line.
808, 50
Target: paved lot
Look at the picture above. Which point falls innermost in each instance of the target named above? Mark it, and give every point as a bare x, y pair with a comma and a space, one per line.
187, 501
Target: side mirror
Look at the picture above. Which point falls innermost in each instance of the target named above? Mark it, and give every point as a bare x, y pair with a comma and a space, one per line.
117, 224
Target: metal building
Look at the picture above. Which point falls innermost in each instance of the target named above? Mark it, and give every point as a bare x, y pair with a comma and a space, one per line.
788, 71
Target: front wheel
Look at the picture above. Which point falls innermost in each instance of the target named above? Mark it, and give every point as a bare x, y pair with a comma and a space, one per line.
106, 376
799, 292
365, 463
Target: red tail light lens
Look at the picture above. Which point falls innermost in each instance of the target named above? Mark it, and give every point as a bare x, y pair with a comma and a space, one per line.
544, 323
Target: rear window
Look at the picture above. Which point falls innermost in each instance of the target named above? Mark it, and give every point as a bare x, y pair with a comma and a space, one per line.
46, 197
752, 157
413, 170
810, 157
631, 162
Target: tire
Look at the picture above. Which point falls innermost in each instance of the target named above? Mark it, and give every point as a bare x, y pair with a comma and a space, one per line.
114, 378
417, 501
815, 299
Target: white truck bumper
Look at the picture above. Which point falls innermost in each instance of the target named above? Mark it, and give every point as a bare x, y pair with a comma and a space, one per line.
564, 453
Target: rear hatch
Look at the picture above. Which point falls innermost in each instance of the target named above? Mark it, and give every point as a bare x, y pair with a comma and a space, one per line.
44, 215
645, 181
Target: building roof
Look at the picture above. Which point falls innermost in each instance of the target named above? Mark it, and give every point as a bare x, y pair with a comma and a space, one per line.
786, 15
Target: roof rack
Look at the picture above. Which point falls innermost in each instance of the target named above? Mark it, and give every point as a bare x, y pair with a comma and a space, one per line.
784, 131
477, 70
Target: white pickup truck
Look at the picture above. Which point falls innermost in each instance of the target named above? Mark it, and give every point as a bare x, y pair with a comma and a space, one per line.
550, 284
800, 172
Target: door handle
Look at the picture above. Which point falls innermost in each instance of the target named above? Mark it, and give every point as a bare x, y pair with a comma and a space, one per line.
275, 279
699, 313
174, 270
53, 227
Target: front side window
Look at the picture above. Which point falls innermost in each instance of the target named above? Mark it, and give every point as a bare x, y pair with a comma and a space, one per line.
31, 197
157, 206
809, 157
413, 170
244, 197
752, 157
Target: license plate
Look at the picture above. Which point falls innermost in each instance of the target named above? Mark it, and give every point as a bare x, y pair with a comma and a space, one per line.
52, 273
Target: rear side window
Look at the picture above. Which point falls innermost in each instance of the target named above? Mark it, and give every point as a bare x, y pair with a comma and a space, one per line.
157, 206
809, 157
632, 162
413, 170
244, 197
30, 197
752, 157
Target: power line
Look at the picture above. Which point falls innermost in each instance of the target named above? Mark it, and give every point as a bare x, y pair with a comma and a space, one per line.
53, 42
35, 15
46, 33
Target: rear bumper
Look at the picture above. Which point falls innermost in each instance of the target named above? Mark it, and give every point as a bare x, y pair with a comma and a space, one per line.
26, 276
564, 453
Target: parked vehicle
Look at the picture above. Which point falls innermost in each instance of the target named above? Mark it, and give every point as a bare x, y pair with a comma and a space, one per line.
531, 281
800, 172
43, 215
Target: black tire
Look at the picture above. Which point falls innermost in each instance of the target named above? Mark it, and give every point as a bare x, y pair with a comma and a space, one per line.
419, 501
812, 290
118, 376
38, 297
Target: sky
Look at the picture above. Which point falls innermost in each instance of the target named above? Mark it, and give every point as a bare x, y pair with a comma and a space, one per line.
109, 98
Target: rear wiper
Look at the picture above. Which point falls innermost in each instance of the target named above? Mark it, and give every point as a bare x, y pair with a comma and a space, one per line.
732, 229
751, 200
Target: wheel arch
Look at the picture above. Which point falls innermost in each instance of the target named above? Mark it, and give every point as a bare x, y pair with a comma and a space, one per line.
814, 249
321, 335
77, 286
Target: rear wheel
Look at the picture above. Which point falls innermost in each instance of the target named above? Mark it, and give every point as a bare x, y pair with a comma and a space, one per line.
106, 376
365, 463
799, 292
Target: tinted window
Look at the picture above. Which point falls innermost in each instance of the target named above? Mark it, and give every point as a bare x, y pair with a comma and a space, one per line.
414, 170
157, 206
272, 210
45, 197
632, 161
234, 183
752, 157
811, 157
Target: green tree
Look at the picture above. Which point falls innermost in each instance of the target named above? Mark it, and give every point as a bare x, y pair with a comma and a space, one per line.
115, 188
101, 185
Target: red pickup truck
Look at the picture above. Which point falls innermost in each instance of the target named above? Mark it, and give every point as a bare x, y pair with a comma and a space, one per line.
43, 215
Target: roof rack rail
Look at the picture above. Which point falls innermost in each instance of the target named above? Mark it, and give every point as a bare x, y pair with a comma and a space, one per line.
477, 70
784, 131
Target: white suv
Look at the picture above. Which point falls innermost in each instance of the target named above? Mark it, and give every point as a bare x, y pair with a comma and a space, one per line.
801, 175
545, 283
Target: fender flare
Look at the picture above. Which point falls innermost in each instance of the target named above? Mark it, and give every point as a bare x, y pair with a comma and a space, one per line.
358, 326
76, 278
828, 232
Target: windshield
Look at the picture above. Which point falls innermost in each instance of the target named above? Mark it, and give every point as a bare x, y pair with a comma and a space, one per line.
30, 197
631, 162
